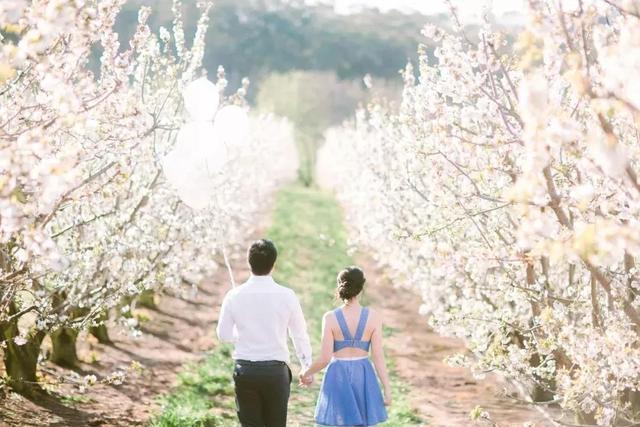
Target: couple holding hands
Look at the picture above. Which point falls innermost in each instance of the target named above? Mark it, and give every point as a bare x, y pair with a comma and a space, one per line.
258, 315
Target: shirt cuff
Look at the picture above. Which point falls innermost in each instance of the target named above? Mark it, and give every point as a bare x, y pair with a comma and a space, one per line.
305, 362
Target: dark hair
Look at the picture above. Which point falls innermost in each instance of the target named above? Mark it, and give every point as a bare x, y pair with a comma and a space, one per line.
350, 283
262, 255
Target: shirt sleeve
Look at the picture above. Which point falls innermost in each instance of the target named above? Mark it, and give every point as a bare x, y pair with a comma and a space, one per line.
226, 324
298, 333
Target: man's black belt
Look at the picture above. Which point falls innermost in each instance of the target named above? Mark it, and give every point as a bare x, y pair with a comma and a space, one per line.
261, 362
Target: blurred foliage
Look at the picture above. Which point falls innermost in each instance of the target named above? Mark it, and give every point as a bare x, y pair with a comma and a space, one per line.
313, 101
305, 62
255, 38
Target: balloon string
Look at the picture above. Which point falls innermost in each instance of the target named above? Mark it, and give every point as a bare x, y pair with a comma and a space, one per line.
226, 262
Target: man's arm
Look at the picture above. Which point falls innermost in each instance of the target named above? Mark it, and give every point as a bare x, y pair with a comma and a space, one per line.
298, 333
226, 324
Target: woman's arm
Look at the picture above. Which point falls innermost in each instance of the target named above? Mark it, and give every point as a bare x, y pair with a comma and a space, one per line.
326, 350
377, 354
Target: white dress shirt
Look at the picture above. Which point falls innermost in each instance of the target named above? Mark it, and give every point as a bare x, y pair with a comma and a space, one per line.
256, 316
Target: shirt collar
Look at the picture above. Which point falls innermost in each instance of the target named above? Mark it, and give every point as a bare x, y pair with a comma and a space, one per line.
260, 279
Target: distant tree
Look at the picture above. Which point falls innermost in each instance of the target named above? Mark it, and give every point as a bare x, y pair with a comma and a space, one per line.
313, 101
255, 38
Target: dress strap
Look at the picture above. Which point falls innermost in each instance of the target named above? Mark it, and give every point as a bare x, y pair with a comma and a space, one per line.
364, 314
343, 324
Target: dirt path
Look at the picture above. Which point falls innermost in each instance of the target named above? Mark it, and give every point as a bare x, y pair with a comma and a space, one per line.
444, 396
180, 330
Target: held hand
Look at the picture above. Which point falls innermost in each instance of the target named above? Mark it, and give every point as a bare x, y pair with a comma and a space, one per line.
387, 398
305, 380
309, 381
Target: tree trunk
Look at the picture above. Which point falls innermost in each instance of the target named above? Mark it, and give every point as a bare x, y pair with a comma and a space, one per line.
586, 418
629, 396
632, 398
63, 339
20, 361
101, 332
540, 394
543, 390
64, 347
147, 299
126, 301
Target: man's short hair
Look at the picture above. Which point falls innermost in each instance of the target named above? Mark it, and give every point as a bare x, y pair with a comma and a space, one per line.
262, 256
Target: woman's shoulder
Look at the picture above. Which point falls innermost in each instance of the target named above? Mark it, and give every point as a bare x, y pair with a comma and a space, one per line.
328, 315
374, 314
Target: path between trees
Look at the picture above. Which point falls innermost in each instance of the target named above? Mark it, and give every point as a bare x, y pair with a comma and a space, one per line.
181, 330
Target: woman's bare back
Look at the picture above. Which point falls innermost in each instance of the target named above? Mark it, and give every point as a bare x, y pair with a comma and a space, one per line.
352, 317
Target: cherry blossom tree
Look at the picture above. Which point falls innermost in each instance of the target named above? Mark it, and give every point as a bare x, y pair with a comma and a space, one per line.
88, 220
504, 190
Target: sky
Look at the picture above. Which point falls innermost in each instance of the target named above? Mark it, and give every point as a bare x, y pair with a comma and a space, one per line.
466, 8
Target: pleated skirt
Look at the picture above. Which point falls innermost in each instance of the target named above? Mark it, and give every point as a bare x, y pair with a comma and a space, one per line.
350, 395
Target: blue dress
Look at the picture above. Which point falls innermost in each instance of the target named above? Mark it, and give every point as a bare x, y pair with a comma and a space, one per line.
350, 394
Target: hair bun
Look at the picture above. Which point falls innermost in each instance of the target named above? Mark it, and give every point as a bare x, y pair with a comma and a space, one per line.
350, 283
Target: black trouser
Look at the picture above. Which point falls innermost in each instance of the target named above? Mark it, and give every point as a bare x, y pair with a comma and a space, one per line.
262, 393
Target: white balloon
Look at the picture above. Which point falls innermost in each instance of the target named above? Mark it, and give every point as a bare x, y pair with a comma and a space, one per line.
201, 149
231, 125
193, 162
211, 153
176, 168
201, 99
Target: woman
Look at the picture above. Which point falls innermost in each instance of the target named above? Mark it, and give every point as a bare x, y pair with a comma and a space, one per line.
350, 394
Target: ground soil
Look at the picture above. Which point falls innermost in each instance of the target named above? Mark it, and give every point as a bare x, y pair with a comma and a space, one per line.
179, 331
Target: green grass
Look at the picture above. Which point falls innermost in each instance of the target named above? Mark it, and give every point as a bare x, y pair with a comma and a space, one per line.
75, 399
307, 226
203, 396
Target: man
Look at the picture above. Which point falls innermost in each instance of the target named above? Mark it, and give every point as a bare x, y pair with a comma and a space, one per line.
255, 317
